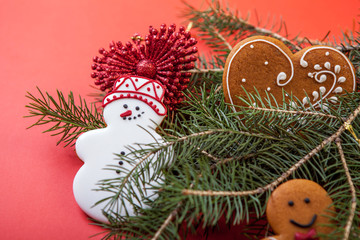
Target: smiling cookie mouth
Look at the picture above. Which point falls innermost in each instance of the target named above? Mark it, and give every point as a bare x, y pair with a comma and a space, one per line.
304, 225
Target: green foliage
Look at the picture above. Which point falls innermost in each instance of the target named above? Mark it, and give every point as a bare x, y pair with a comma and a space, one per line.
225, 164
227, 153
65, 117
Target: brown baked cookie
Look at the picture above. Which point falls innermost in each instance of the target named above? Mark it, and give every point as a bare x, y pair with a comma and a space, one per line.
298, 210
267, 64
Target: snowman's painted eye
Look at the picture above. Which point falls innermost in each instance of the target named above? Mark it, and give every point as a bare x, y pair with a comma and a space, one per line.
137, 108
125, 106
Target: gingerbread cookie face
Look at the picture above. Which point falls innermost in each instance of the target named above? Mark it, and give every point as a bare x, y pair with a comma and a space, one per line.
299, 209
264, 63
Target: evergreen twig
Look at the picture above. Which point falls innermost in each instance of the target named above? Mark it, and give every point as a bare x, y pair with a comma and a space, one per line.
67, 119
352, 190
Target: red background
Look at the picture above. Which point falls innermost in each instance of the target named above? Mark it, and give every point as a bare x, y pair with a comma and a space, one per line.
50, 44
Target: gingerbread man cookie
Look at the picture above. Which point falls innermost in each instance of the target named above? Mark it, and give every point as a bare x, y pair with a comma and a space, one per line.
299, 209
267, 65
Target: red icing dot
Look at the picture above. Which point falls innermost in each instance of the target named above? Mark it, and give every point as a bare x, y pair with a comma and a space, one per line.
114, 96
127, 85
148, 89
136, 79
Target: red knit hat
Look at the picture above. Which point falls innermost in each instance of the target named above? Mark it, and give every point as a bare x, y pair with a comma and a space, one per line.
147, 90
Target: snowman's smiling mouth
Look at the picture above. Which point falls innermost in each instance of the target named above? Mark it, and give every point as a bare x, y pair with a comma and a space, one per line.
304, 225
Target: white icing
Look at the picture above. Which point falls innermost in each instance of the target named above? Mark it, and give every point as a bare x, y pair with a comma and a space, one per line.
268, 89
327, 65
282, 76
327, 53
317, 67
303, 63
333, 99
129, 122
305, 100
341, 79
337, 69
243, 80
293, 104
315, 95
310, 75
338, 90
322, 78
266, 63
325, 106
322, 90
279, 77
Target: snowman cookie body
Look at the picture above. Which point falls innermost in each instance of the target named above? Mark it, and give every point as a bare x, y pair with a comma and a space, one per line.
132, 112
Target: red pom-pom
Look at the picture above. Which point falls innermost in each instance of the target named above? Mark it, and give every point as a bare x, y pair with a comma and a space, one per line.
162, 55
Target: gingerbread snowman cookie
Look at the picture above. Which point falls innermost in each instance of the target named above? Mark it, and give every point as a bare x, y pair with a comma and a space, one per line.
299, 209
132, 111
267, 66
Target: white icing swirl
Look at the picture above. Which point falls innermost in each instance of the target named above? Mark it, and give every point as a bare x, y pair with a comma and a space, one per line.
341, 79
320, 77
315, 95
305, 100
317, 67
322, 90
333, 99
337, 69
327, 65
323, 77
338, 90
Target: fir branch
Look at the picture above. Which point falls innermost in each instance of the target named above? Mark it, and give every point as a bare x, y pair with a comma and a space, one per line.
67, 119
221, 28
167, 221
197, 70
292, 112
352, 190
246, 25
286, 174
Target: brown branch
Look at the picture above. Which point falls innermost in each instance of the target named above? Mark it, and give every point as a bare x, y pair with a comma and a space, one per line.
257, 29
205, 70
285, 175
167, 221
352, 190
293, 112
218, 34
